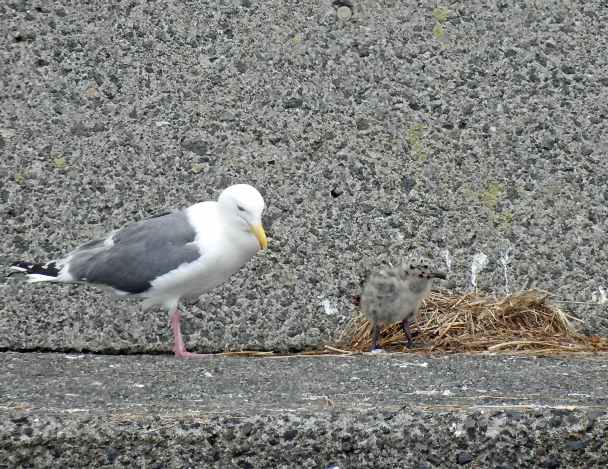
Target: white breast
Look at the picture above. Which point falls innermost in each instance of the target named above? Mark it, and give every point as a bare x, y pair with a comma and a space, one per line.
222, 254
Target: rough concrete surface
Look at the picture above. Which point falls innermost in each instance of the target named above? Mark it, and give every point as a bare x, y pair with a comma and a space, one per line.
400, 130
364, 411
376, 130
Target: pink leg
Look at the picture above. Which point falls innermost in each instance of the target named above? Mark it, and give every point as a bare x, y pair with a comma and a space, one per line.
179, 348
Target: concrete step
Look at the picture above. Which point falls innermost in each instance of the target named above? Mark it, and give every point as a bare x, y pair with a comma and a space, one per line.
363, 411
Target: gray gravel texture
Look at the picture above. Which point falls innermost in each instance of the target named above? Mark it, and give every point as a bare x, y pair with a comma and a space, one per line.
389, 133
356, 412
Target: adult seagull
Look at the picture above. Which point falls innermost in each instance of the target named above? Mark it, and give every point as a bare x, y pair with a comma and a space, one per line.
167, 257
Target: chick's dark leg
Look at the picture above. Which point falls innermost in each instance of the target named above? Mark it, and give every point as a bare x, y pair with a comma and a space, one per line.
375, 335
405, 325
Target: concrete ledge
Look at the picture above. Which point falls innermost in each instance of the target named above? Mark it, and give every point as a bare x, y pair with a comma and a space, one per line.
365, 411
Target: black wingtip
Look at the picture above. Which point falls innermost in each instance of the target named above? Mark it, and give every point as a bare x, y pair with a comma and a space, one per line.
18, 267
24, 267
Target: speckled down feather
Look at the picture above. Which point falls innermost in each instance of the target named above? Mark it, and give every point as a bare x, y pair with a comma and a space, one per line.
395, 294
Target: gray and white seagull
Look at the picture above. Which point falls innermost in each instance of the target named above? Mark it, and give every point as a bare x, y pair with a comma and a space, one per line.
165, 258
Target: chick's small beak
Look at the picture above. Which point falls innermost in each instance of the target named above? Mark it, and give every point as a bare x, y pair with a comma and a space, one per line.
440, 275
260, 234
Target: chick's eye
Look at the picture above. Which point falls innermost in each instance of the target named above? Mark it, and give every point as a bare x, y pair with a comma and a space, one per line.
240, 209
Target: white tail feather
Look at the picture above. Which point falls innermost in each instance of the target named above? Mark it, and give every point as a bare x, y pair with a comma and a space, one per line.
34, 278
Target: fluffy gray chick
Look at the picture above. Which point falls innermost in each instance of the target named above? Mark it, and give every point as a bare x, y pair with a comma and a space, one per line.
395, 295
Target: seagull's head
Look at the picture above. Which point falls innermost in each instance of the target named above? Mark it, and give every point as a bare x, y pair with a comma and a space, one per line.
243, 205
419, 276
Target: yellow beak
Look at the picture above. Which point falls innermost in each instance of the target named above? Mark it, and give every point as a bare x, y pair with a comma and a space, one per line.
260, 234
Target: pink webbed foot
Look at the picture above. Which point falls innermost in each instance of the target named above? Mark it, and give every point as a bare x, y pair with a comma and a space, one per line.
186, 354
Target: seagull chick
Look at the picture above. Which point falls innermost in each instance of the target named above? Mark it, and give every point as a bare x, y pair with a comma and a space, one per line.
394, 295
162, 259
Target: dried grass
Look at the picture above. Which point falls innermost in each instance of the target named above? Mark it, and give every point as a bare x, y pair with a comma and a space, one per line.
522, 323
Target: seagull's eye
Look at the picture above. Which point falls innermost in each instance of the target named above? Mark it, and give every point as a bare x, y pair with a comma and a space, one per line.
240, 209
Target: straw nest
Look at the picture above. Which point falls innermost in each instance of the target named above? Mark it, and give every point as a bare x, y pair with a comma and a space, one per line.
522, 323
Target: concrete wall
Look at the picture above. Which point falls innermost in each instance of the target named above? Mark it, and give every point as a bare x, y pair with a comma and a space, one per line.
389, 130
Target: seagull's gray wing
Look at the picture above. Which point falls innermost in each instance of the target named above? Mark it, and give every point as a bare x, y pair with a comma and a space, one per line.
137, 254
